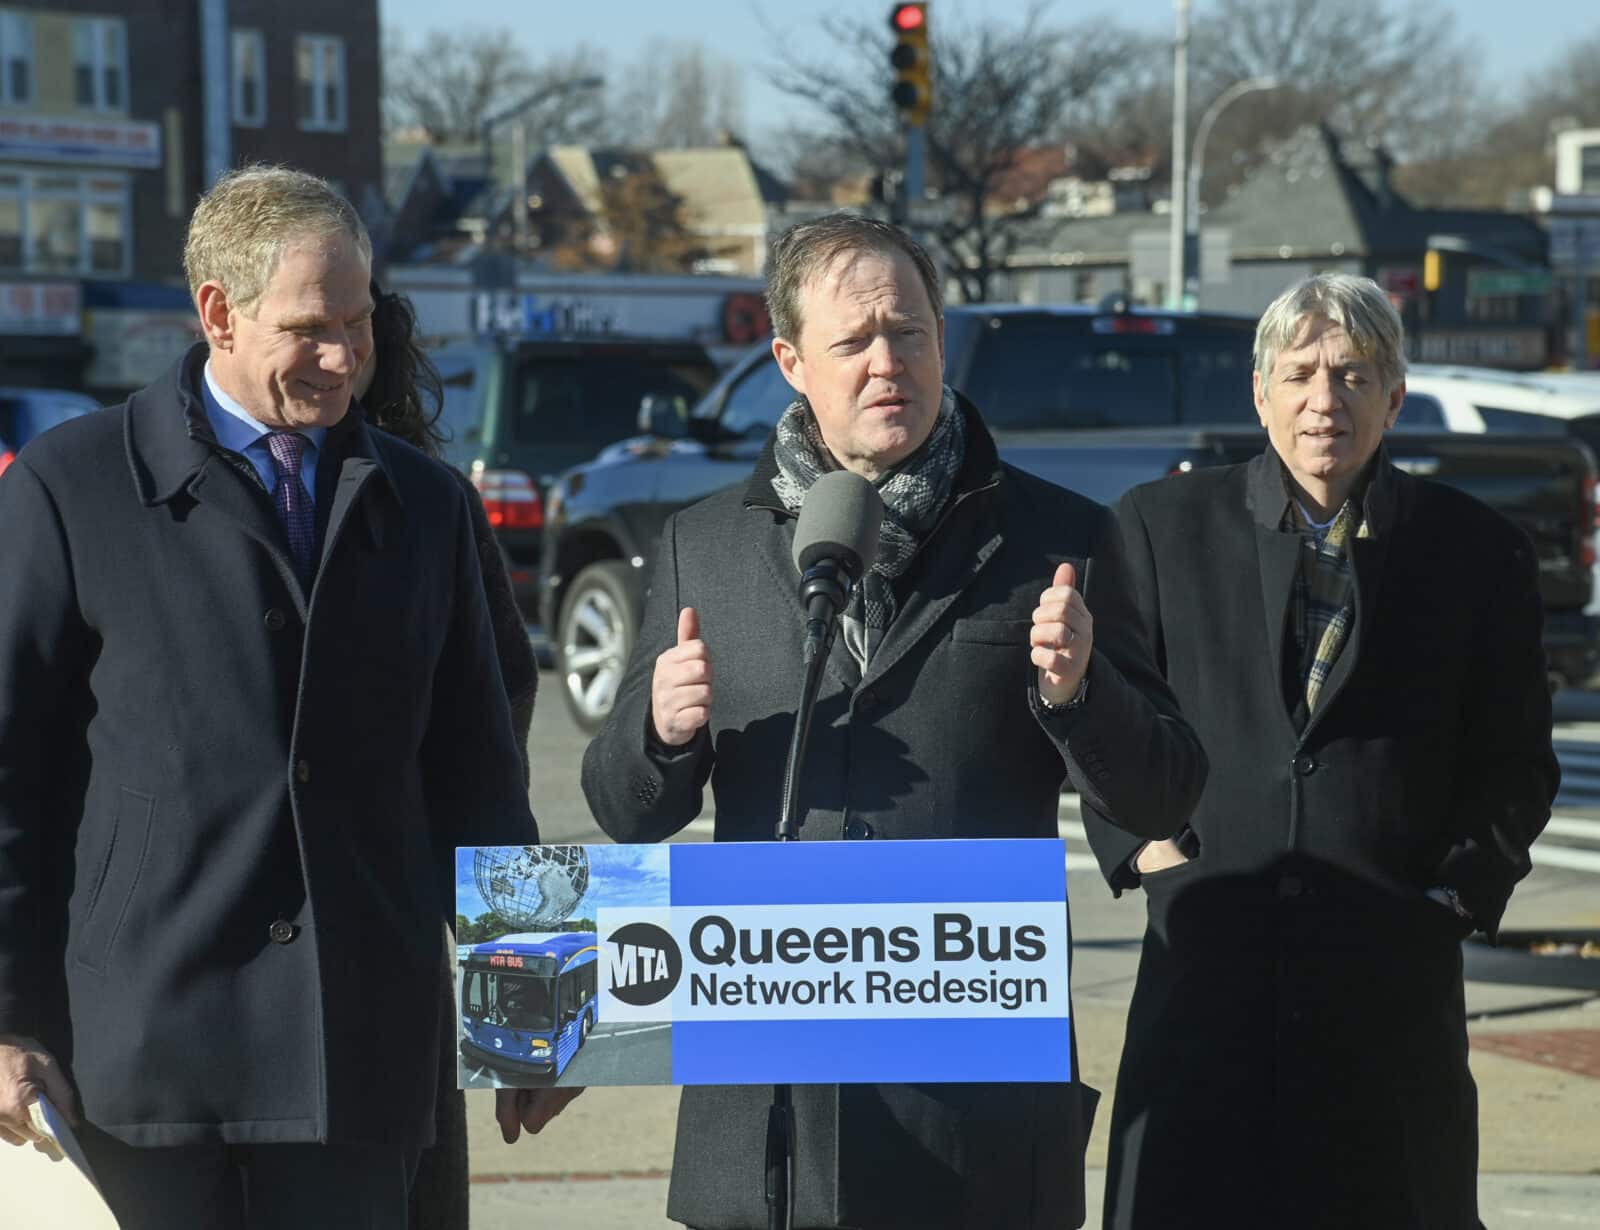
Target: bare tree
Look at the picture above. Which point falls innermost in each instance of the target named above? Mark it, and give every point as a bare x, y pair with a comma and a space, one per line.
677, 96
1000, 88
1512, 150
1376, 70
452, 81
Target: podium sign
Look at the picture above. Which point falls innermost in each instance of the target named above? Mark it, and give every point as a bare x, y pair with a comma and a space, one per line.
763, 963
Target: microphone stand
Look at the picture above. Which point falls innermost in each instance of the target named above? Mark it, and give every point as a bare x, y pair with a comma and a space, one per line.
823, 589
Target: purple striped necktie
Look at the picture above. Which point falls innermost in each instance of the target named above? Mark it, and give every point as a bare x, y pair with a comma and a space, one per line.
291, 499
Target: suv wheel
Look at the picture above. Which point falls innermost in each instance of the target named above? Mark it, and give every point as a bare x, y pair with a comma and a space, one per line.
595, 637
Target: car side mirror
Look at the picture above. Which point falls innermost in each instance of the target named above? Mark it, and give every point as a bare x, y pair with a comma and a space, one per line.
663, 416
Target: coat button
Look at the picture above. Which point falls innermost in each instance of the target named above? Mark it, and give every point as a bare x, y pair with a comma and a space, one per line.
281, 932
275, 620
1304, 765
302, 771
867, 701
857, 830
1290, 887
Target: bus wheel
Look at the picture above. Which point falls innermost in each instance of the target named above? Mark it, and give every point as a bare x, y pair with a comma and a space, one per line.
583, 1029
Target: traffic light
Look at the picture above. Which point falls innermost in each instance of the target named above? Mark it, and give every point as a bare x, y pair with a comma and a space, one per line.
913, 84
1432, 269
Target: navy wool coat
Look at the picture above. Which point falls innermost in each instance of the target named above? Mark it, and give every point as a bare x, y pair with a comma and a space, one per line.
1299, 1011
228, 806
940, 737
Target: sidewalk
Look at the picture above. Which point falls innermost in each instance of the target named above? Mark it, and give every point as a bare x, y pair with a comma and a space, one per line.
1508, 1202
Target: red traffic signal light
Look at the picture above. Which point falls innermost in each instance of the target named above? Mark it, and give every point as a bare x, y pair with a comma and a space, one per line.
908, 17
912, 92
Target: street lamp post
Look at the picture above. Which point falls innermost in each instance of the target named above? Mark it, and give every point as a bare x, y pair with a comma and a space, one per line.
1180, 125
519, 144
1191, 243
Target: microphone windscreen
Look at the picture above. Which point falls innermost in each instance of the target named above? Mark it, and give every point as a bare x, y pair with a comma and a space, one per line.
839, 521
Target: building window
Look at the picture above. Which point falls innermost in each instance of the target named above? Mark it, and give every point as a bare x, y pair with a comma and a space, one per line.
1589, 169
16, 57
64, 224
249, 79
319, 72
99, 63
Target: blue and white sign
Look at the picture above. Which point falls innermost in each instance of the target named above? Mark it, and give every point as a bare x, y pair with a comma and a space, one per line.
95, 143
805, 962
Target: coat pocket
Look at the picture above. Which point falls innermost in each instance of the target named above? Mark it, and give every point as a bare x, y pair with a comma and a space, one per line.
1012, 633
116, 878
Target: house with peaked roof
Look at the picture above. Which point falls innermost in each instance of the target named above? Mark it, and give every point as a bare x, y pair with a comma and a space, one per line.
1319, 203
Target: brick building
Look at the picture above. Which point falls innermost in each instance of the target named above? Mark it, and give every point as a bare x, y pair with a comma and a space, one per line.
114, 117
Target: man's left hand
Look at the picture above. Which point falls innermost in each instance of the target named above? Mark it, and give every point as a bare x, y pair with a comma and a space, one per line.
516, 1109
1062, 637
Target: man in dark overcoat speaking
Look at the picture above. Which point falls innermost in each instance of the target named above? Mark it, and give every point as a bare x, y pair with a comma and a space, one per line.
1360, 652
968, 679
249, 703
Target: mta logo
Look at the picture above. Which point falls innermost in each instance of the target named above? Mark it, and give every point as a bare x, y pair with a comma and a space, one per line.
645, 963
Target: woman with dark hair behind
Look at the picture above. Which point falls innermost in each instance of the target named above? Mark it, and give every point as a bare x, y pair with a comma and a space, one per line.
401, 392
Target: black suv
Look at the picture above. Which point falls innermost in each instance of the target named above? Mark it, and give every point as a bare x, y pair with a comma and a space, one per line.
1031, 370
519, 411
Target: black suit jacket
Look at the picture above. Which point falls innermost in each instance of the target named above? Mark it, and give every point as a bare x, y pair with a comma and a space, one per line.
1299, 1001
192, 748
937, 738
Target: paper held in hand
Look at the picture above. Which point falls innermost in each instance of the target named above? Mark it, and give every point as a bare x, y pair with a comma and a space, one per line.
48, 1186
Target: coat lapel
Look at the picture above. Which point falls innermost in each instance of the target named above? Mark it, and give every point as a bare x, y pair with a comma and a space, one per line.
219, 488
777, 549
954, 556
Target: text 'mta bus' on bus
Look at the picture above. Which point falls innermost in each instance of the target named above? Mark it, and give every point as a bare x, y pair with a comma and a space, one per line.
528, 1001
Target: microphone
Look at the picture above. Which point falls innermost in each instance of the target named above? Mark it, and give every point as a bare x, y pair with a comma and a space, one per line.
835, 542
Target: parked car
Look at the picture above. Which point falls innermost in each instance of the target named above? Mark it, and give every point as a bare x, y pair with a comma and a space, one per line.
1095, 400
1030, 369
1483, 400
25, 413
520, 411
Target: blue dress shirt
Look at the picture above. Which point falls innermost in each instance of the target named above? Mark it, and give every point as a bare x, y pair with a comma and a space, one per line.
235, 429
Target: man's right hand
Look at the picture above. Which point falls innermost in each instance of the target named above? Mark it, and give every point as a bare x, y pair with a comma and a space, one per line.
26, 1071
680, 690
1158, 856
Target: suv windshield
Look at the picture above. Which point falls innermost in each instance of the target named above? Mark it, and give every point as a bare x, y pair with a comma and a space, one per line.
594, 401
1043, 372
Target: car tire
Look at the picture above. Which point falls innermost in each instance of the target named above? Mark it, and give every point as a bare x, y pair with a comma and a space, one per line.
598, 625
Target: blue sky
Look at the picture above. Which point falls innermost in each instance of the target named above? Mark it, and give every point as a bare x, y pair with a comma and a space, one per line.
618, 876
1514, 38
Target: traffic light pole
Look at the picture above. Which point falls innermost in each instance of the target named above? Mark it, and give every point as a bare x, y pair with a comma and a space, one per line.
912, 186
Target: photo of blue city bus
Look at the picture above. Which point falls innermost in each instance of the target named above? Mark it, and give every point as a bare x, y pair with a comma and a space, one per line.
528, 1001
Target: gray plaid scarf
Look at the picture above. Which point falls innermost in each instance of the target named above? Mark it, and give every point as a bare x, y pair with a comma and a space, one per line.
914, 494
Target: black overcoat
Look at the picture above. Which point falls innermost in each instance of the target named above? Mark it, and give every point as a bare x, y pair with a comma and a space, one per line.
193, 749
939, 738
1297, 1051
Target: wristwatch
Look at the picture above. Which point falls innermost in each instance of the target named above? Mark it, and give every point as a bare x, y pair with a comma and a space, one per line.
1067, 706
1448, 896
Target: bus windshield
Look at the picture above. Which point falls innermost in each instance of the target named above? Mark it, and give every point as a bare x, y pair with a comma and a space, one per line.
511, 1000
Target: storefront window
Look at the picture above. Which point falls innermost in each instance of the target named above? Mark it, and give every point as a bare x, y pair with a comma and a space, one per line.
64, 224
10, 231
106, 240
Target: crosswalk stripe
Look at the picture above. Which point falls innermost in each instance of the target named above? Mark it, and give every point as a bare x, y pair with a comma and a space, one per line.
1545, 852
